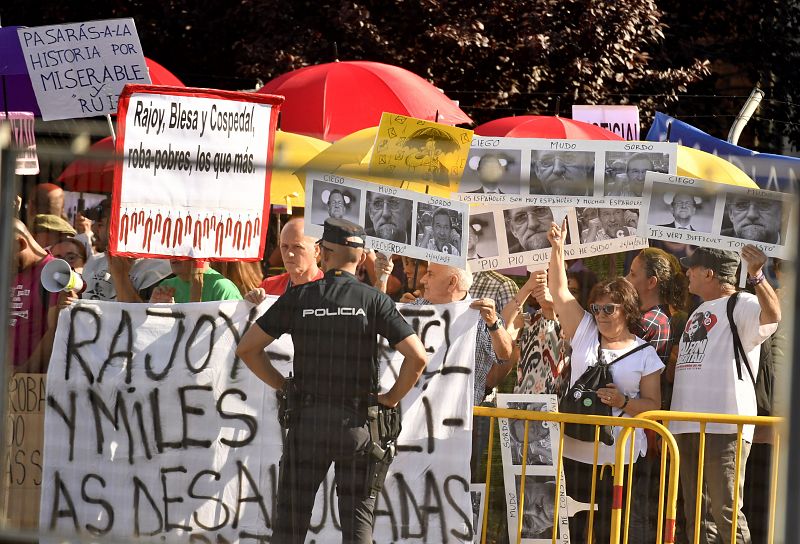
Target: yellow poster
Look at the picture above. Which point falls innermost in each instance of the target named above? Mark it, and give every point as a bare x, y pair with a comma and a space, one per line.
416, 151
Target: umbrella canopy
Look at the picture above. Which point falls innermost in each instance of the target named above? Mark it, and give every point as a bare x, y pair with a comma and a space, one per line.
160, 75
16, 90
541, 126
694, 163
94, 173
331, 101
350, 156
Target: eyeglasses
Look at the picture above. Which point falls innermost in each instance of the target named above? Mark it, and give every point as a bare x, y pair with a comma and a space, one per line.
378, 204
520, 217
607, 309
760, 205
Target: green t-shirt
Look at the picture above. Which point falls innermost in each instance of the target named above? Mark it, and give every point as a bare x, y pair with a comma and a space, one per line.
215, 287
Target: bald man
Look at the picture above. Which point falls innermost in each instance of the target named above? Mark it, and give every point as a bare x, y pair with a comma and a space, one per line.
300, 255
32, 332
46, 198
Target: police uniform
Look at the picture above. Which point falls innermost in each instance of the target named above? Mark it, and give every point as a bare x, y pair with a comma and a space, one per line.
334, 323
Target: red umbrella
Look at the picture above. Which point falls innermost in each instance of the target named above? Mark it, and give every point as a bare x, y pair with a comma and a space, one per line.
160, 75
93, 173
540, 126
329, 101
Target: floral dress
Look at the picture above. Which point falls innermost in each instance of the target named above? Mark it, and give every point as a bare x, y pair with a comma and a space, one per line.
544, 357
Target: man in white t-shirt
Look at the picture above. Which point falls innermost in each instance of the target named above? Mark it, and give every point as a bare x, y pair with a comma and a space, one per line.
118, 278
707, 379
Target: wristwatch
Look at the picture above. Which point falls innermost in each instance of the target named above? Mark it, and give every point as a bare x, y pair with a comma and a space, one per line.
627, 398
494, 326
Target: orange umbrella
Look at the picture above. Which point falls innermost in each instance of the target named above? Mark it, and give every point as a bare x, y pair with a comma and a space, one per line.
543, 126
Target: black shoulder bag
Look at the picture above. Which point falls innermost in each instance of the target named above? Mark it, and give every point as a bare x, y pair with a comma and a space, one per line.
582, 398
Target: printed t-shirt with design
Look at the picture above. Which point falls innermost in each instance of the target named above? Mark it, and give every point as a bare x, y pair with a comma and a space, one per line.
145, 274
706, 377
29, 306
627, 375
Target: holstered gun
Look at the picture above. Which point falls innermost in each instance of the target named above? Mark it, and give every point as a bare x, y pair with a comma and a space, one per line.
287, 403
384, 428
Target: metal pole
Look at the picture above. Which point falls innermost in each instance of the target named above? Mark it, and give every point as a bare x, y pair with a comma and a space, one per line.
8, 193
745, 114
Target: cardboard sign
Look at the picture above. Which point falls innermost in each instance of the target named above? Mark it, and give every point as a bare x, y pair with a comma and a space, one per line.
79, 69
22, 473
541, 463
397, 221
505, 236
155, 429
193, 181
708, 214
409, 149
622, 120
544, 172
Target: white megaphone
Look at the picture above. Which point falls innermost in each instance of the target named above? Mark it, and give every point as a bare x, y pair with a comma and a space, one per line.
58, 275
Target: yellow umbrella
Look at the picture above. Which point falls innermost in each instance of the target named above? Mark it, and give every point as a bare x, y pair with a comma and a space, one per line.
291, 152
350, 157
694, 163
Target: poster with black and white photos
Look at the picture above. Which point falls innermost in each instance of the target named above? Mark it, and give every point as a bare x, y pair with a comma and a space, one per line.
540, 468
477, 493
507, 236
552, 172
396, 221
708, 214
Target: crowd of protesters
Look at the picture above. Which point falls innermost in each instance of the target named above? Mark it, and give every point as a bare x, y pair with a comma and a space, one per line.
544, 333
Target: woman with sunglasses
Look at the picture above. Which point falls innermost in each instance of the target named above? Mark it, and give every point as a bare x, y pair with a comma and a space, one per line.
603, 335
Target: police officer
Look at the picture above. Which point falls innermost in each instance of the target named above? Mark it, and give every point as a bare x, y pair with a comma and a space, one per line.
334, 323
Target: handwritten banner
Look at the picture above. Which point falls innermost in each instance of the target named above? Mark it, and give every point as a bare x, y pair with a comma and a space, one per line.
506, 171
708, 214
24, 450
397, 221
193, 181
79, 69
155, 429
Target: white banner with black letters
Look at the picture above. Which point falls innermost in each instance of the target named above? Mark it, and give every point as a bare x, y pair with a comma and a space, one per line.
155, 429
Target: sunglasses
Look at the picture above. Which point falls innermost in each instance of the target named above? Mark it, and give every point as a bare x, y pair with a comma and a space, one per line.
607, 309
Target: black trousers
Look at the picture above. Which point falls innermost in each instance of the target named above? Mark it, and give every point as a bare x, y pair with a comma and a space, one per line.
323, 435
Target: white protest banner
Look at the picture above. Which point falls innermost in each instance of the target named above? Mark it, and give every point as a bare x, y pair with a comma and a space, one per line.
79, 69
506, 236
709, 214
193, 179
155, 429
22, 129
541, 461
397, 221
621, 120
544, 172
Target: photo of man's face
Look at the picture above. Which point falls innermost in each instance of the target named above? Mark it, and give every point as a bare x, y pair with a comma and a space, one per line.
613, 221
537, 518
563, 172
683, 207
529, 226
390, 216
490, 170
755, 219
336, 205
442, 228
637, 168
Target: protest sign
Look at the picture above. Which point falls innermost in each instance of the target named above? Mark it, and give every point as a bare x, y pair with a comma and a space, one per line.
477, 493
155, 429
193, 179
79, 69
621, 120
22, 130
544, 172
505, 236
708, 214
397, 221
409, 149
541, 462
24, 451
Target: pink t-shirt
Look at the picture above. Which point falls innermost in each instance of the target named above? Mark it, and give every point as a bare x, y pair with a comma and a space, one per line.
29, 305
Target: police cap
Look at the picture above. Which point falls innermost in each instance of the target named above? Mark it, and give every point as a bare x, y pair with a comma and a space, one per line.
337, 231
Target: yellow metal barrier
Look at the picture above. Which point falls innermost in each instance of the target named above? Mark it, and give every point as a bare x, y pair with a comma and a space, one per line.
740, 421
628, 424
